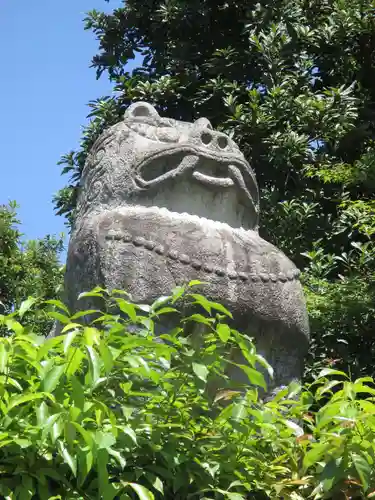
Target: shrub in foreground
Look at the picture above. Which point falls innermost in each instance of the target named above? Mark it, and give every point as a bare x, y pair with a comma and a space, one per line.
104, 411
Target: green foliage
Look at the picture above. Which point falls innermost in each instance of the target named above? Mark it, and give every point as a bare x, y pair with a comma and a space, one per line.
26, 269
292, 81
104, 411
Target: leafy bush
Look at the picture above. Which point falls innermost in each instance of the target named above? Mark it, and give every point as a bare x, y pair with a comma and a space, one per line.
109, 411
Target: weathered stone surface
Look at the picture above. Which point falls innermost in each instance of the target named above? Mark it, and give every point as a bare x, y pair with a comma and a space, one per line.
164, 202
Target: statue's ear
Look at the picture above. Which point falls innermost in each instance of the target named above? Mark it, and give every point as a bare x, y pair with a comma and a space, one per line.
203, 123
139, 110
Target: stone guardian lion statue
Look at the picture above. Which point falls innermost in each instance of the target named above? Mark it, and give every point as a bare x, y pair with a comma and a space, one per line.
163, 202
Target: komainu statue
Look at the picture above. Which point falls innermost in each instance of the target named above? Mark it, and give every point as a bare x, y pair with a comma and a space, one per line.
163, 202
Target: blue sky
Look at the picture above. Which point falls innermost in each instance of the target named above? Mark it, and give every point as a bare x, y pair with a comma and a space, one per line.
45, 84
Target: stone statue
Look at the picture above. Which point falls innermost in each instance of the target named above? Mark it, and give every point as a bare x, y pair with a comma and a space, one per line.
163, 202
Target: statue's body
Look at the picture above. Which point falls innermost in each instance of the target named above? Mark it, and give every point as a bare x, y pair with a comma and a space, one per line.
164, 202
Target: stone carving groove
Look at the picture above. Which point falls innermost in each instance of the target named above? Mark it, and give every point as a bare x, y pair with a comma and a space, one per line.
208, 268
163, 202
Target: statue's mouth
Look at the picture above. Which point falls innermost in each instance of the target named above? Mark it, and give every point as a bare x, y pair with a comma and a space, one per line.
220, 171
210, 180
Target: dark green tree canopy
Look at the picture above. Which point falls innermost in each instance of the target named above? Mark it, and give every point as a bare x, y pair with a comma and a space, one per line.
292, 81
30, 268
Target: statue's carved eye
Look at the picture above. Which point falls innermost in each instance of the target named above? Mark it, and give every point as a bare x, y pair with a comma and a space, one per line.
206, 138
222, 142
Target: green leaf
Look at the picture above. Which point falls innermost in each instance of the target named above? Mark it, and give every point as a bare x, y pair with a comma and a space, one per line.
91, 336
131, 433
221, 308
177, 293
42, 414
331, 475
298, 431
87, 312
26, 306
165, 310
87, 436
3, 357
106, 356
255, 377
54, 475
74, 361
71, 326
116, 291
59, 317
197, 283
13, 325
85, 459
315, 454
57, 429
160, 301
11, 381
142, 492
48, 425
157, 484
117, 455
94, 364
231, 496
52, 378
202, 301
234, 496
77, 393
200, 371
104, 440
127, 308
327, 387
58, 304
330, 371
47, 347
363, 389
19, 400
69, 339
363, 469
224, 332
96, 292
103, 473
238, 411
199, 318
67, 457
263, 362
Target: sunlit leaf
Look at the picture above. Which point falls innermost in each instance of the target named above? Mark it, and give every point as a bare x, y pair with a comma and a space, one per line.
363, 469
200, 371
224, 332
255, 377
26, 306
59, 317
52, 378
26, 398
58, 304
142, 492
67, 457
329, 371
104, 440
127, 308
69, 339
